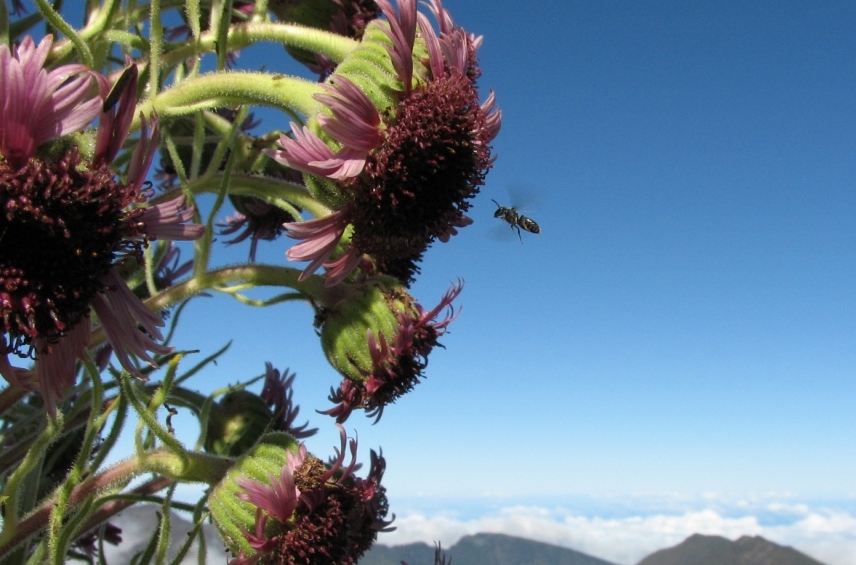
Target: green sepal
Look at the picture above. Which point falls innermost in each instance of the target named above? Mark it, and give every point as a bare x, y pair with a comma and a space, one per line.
233, 516
370, 306
241, 418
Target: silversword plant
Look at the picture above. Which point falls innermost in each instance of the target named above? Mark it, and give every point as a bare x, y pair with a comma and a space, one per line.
111, 133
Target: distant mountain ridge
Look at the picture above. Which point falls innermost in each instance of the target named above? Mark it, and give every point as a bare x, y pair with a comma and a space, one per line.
715, 550
482, 549
499, 549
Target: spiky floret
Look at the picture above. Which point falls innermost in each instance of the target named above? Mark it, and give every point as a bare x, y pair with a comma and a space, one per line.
67, 220
401, 146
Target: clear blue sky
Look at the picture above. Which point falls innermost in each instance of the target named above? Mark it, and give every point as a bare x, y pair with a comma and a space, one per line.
686, 321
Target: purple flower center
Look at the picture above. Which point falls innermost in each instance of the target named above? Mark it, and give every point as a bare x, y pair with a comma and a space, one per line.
60, 229
338, 532
421, 179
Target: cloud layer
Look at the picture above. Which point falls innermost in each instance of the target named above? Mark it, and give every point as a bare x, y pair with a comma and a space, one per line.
625, 533
619, 529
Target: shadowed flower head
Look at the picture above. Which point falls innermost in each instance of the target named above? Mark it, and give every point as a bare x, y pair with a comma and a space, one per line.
379, 340
241, 417
344, 17
254, 219
398, 153
278, 394
67, 220
300, 510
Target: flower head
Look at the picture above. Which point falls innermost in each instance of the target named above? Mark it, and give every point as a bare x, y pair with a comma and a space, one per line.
67, 221
278, 394
302, 512
255, 219
404, 155
344, 17
380, 342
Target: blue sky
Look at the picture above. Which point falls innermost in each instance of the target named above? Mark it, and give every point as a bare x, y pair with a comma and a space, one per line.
683, 328
686, 318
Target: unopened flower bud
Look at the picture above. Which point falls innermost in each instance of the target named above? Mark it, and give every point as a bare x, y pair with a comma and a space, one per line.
240, 418
369, 308
344, 17
233, 516
379, 339
279, 500
311, 13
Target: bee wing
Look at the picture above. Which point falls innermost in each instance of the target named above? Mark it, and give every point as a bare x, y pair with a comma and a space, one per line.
523, 196
502, 231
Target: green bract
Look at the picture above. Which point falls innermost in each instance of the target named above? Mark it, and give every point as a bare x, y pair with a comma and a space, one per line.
233, 516
367, 308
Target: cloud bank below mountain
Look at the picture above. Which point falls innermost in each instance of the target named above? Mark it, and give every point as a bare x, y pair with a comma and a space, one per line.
625, 531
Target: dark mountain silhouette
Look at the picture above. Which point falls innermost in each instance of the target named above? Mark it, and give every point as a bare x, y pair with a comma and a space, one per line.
715, 550
482, 549
496, 549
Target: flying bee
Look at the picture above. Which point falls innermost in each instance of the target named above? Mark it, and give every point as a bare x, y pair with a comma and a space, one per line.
515, 219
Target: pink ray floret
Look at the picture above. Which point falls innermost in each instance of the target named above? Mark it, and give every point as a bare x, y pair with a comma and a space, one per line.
402, 32
355, 121
37, 105
320, 236
306, 152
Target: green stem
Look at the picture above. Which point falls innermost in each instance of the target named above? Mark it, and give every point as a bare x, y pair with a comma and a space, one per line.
10, 396
192, 466
201, 468
332, 45
156, 41
256, 275
253, 274
56, 21
113, 504
12, 492
266, 188
212, 90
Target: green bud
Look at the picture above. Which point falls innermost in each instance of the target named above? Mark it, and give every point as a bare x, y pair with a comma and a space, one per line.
56, 149
236, 423
311, 13
372, 306
234, 516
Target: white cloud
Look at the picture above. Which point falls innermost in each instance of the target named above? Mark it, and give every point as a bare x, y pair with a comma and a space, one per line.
621, 530
828, 535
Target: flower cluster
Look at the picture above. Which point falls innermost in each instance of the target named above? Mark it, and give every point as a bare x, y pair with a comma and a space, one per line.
67, 221
380, 340
404, 167
308, 512
388, 147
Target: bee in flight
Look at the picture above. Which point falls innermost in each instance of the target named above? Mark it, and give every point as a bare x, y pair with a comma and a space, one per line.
515, 219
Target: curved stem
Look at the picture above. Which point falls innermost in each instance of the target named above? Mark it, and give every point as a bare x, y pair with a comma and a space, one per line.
332, 45
243, 184
202, 468
55, 19
211, 90
113, 507
11, 489
258, 275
